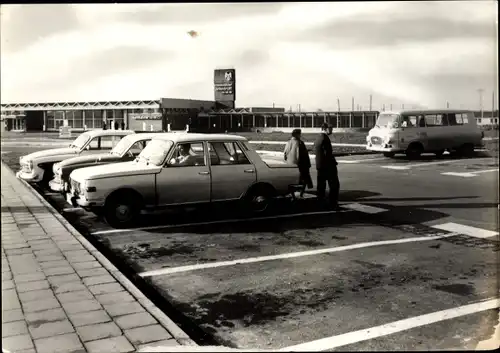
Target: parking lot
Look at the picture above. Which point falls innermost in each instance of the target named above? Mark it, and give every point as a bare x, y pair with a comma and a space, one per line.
409, 262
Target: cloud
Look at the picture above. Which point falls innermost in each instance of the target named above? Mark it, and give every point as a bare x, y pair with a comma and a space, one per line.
198, 13
24, 25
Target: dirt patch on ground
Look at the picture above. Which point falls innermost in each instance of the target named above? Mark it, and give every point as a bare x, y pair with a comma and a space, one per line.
146, 251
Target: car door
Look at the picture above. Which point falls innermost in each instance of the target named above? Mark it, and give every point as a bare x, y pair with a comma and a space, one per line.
437, 132
232, 172
184, 179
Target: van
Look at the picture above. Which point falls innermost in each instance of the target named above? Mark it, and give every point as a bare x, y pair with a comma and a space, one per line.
414, 132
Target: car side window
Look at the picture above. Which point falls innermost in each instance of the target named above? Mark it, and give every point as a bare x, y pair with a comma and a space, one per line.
431, 120
108, 142
455, 119
240, 157
188, 155
137, 147
409, 121
94, 144
226, 153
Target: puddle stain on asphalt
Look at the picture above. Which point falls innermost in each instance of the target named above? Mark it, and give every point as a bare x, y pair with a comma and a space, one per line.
459, 288
145, 251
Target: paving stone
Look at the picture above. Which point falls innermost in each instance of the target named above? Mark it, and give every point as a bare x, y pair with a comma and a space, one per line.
25, 268
94, 280
75, 296
32, 350
14, 328
36, 295
56, 257
6, 276
116, 297
146, 334
58, 280
29, 277
57, 271
47, 244
68, 287
83, 258
118, 309
89, 318
15, 246
29, 286
99, 331
74, 254
41, 317
165, 343
70, 246
105, 288
54, 251
41, 305
62, 343
12, 315
114, 344
16, 343
81, 306
135, 320
91, 272
10, 301
21, 251
87, 265
54, 264
49, 329
8, 284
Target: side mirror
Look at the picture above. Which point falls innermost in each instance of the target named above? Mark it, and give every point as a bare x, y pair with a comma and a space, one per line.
172, 161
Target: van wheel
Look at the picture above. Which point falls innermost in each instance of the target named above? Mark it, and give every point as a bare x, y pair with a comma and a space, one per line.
439, 153
121, 210
414, 151
258, 199
466, 150
389, 154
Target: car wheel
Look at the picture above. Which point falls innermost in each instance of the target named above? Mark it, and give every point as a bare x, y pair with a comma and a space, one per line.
389, 154
466, 150
414, 151
258, 199
121, 211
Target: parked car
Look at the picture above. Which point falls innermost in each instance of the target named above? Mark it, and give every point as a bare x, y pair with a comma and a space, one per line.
181, 169
414, 132
37, 167
127, 149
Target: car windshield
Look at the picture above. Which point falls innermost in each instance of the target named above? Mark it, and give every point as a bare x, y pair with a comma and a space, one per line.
122, 146
387, 120
155, 152
80, 141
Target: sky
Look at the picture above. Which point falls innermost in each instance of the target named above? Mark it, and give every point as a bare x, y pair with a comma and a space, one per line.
420, 53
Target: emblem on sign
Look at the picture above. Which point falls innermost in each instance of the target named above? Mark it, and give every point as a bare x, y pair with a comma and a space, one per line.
228, 76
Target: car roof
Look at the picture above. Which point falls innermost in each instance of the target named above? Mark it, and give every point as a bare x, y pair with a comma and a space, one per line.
187, 137
94, 133
426, 111
143, 136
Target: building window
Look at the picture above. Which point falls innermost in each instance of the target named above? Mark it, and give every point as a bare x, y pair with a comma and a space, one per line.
97, 119
89, 119
119, 117
50, 120
78, 119
69, 117
58, 118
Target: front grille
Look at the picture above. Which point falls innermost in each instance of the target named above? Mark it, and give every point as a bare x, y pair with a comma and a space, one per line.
376, 140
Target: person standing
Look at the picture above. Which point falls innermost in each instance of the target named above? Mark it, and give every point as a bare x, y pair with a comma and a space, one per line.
326, 166
296, 153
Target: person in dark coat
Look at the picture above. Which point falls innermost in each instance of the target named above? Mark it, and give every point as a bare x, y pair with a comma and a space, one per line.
326, 165
296, 153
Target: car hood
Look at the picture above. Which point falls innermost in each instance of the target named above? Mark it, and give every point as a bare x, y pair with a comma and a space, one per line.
113, 170
51, 152
95, 158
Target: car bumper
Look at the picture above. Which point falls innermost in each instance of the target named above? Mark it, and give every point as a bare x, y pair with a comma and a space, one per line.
29, 177
383, 148
81, 201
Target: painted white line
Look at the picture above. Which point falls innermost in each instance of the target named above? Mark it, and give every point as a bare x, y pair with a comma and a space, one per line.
490, 138
308, 143
72, 209
470, 174
396, 167
167, 271
312, 156
364, 208
409, 166
467, 230
393, 327
228, 221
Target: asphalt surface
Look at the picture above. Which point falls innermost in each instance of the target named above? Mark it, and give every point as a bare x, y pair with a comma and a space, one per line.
375, 269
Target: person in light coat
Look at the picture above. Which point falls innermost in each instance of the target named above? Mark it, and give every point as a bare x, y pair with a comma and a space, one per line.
296, 153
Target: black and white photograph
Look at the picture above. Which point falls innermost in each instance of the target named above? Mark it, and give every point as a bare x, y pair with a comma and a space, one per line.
250, 176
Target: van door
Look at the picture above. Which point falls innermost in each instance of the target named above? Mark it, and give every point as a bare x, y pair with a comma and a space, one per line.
409, 131
437, 131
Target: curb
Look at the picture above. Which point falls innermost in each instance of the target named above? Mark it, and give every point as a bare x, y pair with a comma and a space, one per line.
180, 336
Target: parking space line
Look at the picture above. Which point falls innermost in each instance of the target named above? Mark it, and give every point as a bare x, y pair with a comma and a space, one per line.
364, 208
467, 230
409, 166
167, 271
238, 220
393, 327
470, 174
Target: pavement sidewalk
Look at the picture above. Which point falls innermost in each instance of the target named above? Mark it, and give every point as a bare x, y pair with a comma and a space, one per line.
59, 294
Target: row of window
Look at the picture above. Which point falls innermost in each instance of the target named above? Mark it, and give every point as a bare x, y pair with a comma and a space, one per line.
430, 120
221, 153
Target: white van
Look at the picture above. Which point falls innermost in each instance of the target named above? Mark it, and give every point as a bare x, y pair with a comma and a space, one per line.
414, 132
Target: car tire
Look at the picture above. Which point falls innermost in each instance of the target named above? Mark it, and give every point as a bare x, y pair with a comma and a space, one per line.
258, 199
466, 150
439, 153
121, 210
414, 151
389, 154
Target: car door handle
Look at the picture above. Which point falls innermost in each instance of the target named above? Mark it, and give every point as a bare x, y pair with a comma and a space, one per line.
249, 170
203, 173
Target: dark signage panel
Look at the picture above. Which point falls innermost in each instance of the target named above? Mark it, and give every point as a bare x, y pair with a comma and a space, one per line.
225, 84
